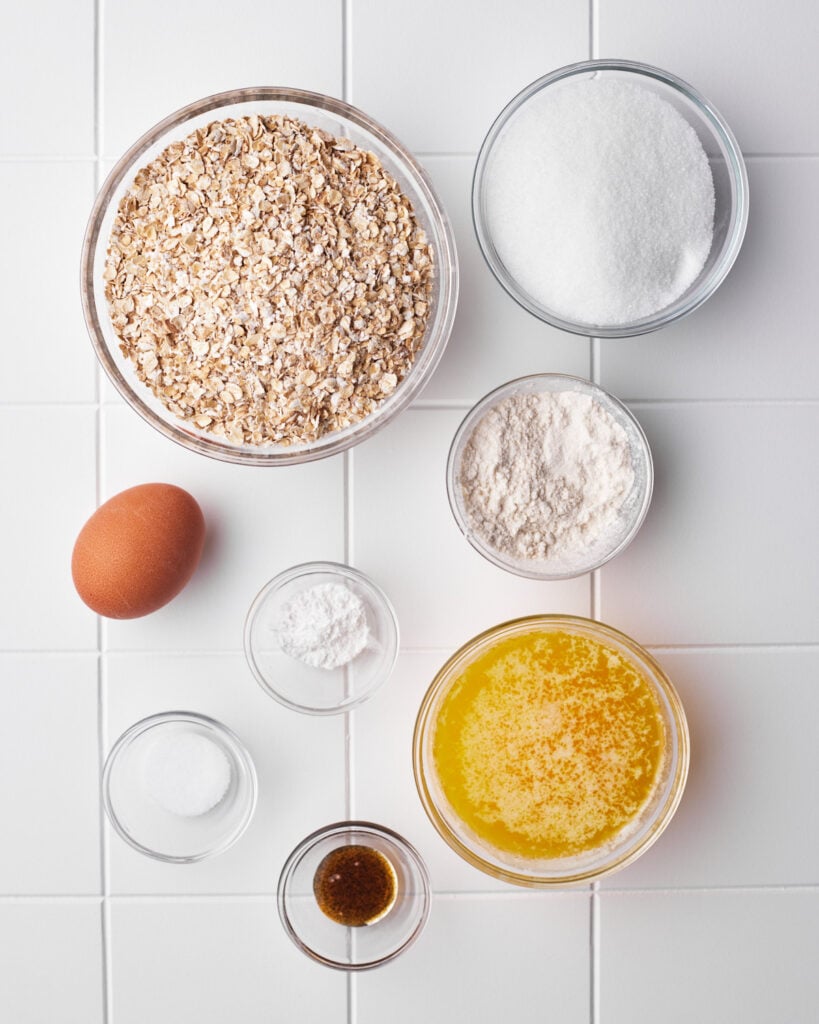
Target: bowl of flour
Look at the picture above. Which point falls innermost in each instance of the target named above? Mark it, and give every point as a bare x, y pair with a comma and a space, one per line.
549, 476
610, 198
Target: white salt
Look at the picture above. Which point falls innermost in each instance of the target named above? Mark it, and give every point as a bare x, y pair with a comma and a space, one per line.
186, 773
600, 201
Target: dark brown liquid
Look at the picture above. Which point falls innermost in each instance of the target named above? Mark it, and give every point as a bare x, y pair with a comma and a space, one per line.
355, 885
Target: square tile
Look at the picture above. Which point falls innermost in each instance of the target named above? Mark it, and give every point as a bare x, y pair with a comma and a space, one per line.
715, 956
755, 62
47, 67
299, 762
198, 51
724, 554
383, 785
48, 471
259, 522
749, 814
405, 537
49, 786
47, 357
437, 74
215, 961
750, 339
494, 340
51, 962
523, 958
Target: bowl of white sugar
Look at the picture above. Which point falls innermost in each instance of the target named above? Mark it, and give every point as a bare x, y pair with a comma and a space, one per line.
549, 476
610, 198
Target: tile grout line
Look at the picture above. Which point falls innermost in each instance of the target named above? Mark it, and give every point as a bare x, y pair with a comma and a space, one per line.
350, 988
445, 649
61, 158
464, 404
594, 599
105, 910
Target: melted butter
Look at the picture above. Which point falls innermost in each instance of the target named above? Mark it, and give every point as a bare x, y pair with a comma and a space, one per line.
549, 744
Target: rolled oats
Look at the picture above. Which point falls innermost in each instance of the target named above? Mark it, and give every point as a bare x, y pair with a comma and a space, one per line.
269, 282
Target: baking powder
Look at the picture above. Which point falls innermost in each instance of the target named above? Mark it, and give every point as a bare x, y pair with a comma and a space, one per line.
544, 476
324, 626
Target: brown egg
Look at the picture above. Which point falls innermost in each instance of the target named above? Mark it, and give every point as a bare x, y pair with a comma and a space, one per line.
138, 550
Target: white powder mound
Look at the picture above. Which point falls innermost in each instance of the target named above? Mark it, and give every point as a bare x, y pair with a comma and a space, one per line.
544, 476
186, 773
600, 201
324, 626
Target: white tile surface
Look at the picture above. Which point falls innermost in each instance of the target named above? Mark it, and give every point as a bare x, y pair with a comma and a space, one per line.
259, 522
51, 962
437, 75
212, 962
749, 815
194, 51
754, 61
47, 78
405, 537
489, 959
726, 552
383, 785
716, 956
299, 762
494, 340
49, 780
47, 473
48, 357
755, 337
726, 557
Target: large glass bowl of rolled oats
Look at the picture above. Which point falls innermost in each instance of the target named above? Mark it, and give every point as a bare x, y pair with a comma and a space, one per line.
268, 276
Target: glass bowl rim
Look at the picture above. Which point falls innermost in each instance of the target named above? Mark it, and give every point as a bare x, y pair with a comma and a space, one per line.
446, 275
659, 679
343, 828
737, 224
471, 418
236, 746
308, 569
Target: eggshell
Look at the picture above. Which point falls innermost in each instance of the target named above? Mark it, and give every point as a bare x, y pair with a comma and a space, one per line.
138, 550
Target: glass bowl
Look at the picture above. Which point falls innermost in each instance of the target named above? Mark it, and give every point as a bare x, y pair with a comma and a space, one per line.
631, 514
149, 827
342, 946
342, 120
320, 690
631, 842
730, 188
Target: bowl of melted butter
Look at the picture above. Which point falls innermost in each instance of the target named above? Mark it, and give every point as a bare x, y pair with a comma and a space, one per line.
550, 750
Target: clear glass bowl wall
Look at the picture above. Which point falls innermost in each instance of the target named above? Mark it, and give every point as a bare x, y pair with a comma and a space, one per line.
341, 120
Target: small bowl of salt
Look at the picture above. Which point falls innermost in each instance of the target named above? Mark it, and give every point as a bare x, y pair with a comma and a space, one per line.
321, 638
179, 787
610, 198
549, 476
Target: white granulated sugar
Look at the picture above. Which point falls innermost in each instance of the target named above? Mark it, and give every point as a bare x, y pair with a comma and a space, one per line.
600, 201
186, 773
544, 476
324, 626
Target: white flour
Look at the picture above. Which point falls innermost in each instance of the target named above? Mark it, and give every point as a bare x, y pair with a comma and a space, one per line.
543, 476
324, 626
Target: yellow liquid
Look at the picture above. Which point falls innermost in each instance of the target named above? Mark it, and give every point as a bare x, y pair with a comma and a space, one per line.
549, 744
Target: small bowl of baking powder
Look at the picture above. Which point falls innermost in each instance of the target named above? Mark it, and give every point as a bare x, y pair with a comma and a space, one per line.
321, 638
549, 476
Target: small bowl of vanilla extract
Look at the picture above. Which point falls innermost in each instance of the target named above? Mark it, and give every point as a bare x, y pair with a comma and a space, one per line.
354, 895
